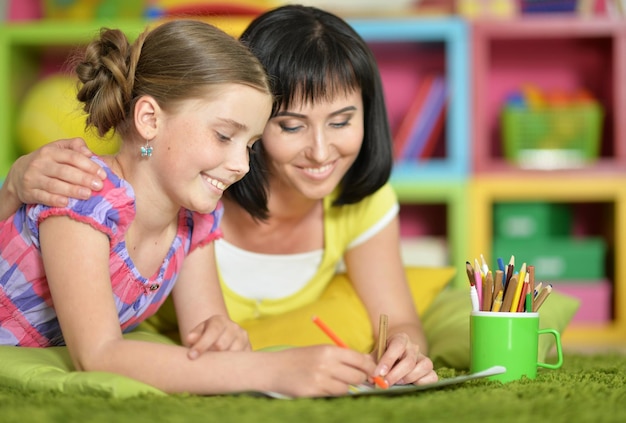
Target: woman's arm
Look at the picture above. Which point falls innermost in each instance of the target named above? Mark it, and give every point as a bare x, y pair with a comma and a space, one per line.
9, 200
377, 273
50, 175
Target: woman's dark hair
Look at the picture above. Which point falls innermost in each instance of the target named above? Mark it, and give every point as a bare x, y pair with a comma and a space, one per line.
312, 55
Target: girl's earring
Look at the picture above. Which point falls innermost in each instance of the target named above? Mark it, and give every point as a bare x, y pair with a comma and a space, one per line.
146, 150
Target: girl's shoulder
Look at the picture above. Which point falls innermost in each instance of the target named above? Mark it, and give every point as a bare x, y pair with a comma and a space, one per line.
205, 227
110, 210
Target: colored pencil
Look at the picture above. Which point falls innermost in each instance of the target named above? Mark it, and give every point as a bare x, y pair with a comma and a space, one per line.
545, 291
380, 382
478, 278
518, 290
382, 336
497, 303
487, 292
497, 283
509, 293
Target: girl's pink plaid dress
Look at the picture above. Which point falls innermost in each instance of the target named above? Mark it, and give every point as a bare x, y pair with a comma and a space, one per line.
27, 316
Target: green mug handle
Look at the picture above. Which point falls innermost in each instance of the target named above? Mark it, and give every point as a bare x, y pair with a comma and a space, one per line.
559, 351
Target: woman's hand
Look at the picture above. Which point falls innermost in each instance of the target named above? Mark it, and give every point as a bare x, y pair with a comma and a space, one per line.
320, 370
403, 363
217, 333
55, 172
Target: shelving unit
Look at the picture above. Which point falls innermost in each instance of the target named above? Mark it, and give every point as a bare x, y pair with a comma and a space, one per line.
554, 53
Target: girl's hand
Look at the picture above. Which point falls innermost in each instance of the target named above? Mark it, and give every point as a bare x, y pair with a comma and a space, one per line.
55, 172
217, 333
320, 370
403, 363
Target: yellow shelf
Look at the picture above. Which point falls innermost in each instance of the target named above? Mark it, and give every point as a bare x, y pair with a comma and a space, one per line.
484, 192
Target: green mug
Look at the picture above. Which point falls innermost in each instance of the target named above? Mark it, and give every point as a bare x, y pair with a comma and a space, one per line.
510, 340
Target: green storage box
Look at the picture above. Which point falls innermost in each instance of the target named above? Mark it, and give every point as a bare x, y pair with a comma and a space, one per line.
552, 137
556, 259
531, 220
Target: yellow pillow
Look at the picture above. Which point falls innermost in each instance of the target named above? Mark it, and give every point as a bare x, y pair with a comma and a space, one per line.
340, 307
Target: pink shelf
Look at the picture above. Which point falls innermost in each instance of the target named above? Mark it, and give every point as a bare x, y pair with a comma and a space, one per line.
594, 296
550, 53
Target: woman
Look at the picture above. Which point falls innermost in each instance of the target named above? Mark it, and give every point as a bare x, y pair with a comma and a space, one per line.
322, 168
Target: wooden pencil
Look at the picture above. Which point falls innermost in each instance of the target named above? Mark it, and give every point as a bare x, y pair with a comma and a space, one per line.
485, 266
487, 292
478, 277
545, 291
497, 303
470, 272
497, 283
531, 286
509, 272
521, 306
521, 277
509, 293
382, 336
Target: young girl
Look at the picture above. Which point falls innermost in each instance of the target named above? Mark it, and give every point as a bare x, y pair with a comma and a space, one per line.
189, 102
322, 167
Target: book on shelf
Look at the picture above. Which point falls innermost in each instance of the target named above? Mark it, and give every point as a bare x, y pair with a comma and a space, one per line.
421, 127
407, 125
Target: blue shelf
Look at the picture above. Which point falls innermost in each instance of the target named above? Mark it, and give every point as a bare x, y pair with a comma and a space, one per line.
454, 34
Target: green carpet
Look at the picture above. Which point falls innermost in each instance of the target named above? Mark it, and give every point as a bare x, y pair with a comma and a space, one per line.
588, 388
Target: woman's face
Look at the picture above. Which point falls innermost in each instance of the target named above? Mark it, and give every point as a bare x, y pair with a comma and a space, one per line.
310, 147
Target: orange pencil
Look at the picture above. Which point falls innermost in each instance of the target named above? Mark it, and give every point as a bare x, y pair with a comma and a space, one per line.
380, 382
337, 340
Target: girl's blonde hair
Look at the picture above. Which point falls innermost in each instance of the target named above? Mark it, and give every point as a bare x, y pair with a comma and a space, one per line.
175, 61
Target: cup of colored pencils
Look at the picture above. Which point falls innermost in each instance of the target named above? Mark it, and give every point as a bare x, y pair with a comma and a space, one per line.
505, 290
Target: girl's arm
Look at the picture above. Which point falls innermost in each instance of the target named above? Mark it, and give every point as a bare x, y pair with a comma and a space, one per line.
49, 175
76, 261
377, 273
203, 320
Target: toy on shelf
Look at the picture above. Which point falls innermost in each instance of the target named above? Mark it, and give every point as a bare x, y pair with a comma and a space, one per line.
551, 130
51, 111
